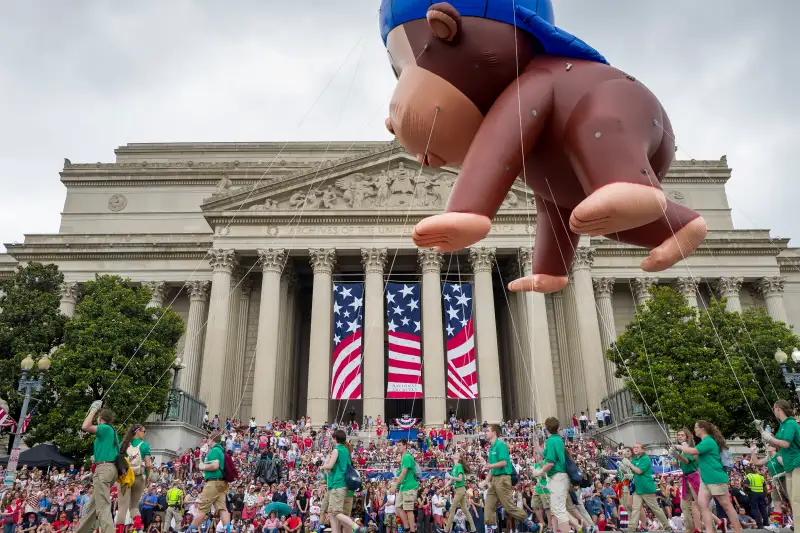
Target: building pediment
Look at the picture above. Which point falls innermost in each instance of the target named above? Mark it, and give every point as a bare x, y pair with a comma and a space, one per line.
389, 179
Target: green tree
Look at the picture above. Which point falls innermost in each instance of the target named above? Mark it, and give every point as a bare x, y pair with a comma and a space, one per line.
30, 323
708, 364
114, 344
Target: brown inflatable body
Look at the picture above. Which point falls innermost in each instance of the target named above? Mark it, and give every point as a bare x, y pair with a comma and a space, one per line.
590, 141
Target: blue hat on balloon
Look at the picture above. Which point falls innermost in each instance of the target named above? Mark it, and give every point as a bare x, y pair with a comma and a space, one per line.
533, 16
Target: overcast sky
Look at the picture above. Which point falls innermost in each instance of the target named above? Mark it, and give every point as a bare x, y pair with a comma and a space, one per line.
79, 78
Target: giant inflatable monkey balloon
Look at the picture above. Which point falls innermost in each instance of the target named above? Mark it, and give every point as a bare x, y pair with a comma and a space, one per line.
495, 87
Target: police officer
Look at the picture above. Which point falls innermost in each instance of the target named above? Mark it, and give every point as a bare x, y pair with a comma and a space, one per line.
758, 500
174, 507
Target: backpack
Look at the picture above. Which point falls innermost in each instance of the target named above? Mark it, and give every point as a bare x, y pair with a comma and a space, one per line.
229, 472
726, 459
127, 478
514, 475
135, 460
273, 473
352, 478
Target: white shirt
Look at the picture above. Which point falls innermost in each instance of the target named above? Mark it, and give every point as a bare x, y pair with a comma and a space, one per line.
389, 507
438, 505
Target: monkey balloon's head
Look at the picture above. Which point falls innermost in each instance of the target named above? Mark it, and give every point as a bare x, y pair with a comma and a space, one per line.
454, 59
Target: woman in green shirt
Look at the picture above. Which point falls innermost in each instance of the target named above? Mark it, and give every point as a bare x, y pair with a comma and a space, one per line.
138, 453
644, 492
458, 477
714, 479
690, 482
774, 463
786, 439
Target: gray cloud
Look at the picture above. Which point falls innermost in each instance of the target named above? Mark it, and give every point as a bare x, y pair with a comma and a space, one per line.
80, 78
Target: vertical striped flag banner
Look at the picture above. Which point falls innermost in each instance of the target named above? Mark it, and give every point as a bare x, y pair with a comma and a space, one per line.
6, 421
462, 371
404, 376
348, 327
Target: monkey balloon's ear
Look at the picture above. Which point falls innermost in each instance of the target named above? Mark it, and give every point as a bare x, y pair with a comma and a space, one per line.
444, 20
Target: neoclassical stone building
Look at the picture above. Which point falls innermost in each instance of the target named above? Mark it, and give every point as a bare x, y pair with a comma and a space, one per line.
245, 241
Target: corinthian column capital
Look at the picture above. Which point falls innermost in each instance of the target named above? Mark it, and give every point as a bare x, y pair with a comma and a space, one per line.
322, 260
641, 288
603, 287
482, 258
727, 287
70, 291
158, 290
770, 286
198, 290
374, 260
429, 260
686, 286
525, 257
272, 259
222, 260
584, 258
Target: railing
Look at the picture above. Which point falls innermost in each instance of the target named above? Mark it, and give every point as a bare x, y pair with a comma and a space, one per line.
182, 407
623, 406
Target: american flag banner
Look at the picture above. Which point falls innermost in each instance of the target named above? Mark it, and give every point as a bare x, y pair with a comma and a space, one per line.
403, 333
6, 421
26, 422
348, 326
462, 371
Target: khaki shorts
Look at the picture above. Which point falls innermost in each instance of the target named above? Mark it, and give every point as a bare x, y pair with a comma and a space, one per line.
323, 507
541, 501
336, 500
348, 505
715, 489
407, 499
213, 494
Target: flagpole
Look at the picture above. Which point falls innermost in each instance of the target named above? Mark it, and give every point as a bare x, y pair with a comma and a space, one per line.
27, 385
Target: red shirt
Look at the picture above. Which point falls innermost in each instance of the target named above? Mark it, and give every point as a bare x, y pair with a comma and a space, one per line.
308, 442
60, 524
293, 521
379, 432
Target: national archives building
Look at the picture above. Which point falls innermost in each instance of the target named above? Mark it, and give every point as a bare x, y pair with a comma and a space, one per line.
247, 242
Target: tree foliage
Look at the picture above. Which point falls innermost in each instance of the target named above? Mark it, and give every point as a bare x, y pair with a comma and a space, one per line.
709, 364
101, 352
30, 323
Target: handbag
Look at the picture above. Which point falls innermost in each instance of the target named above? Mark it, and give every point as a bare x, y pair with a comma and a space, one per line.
121, 460
574, 473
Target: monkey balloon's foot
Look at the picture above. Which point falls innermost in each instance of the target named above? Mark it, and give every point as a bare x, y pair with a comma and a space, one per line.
538, 283
677, 247
617, 207
449, 232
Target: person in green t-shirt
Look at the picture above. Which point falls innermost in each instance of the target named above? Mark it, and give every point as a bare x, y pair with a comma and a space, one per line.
406, 487
215, 488
458, 477
774, 463
106, 449
498, 478
138, 453
690, 480
787, 440
336, 495
714, 479
644, 491
554, 457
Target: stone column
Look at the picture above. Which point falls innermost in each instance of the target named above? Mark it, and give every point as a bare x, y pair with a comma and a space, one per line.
489, 391
562, 333
518, 392
288, 346
539, 368
70, 292
434, 380
212, 383
641, 290
266, 363
229, 401
374, 261
286, 330
589, 345
603, 292
158, 292
319, 351
729, 288
241, 344
195, 333
771, 289
688, 287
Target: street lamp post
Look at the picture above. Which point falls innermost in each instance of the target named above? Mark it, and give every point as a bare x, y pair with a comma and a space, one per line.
173, 411
26, 385
792, 379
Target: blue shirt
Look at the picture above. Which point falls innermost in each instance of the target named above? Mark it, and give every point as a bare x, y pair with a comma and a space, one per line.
150, 501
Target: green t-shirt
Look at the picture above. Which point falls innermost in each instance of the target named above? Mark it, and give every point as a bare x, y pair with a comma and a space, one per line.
336, 479
144, 449
554, 453
409, 482
541, 482
499, 452
643, 483
216, 453
711, 471
458, 469
790, 432
106, 445
690, 467
775, 467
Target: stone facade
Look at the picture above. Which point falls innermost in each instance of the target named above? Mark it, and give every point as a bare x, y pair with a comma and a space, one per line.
246, 240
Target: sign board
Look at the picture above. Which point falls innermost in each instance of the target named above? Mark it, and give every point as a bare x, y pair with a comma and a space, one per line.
11, 469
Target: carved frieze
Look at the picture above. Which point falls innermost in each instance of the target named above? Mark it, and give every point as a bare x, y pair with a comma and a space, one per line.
117, 202
677, 197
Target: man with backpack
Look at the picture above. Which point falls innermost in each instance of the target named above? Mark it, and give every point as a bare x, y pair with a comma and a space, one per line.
216, 487
500, 470
406, 488
336, 494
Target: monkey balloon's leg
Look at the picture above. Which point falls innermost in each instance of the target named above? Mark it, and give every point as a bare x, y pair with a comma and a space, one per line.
609, 139
553, 253
671, 238
495, 158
